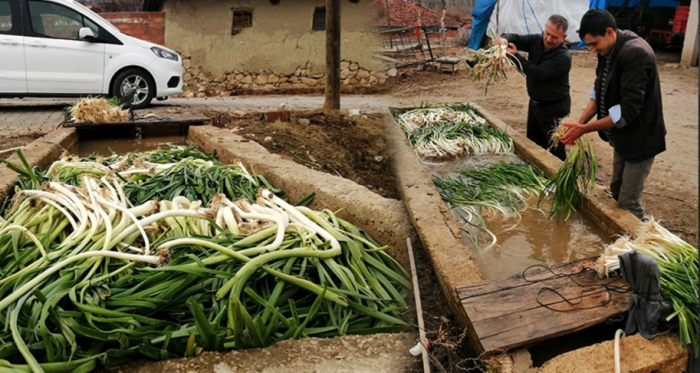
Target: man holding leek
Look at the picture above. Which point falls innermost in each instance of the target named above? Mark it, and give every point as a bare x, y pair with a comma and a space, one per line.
547, 77
627, 101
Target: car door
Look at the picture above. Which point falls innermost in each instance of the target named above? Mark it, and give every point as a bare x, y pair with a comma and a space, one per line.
13, 76
57, 60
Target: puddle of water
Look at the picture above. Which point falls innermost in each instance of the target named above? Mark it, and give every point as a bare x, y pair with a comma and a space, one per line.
534, 240
105, 147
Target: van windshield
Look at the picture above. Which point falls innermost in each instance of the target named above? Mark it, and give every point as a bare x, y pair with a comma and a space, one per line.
96, 16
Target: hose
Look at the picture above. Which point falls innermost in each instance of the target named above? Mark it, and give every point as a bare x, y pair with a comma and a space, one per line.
618, 334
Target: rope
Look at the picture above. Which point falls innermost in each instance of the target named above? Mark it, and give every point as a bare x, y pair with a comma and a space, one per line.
527, 28
608, 288
498, 9
535, 15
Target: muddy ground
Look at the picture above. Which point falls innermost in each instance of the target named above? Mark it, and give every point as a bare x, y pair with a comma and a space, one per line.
671, 192
352, 148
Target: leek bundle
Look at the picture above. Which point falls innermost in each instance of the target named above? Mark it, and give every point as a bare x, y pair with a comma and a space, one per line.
678, 263
574, 179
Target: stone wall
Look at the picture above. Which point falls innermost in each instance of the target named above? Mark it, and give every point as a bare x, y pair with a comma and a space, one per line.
200, 83
279, 38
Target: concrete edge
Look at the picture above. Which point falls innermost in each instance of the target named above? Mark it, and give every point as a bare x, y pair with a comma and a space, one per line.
39, 153
637, 355
439, 232
384, 219
603, 210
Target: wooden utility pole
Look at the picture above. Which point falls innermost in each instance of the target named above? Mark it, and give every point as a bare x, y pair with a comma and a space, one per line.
332, 55
388, 13
443, 39
388, 23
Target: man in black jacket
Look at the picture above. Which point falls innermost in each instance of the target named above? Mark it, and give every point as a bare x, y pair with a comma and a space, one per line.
547, 77
627, 101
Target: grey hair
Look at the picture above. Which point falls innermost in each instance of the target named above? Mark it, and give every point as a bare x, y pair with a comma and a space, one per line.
559, 21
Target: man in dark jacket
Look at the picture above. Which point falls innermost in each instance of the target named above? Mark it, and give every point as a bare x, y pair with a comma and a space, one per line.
547, 77
627, 101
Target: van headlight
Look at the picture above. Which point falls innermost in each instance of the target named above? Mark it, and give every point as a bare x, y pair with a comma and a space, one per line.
162, 53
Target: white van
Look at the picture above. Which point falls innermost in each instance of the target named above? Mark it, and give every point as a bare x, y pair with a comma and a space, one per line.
60, 48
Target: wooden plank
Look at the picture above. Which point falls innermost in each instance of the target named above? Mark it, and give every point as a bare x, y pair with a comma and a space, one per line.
521, 329
152, 121
516, 311
526, 298
538, 273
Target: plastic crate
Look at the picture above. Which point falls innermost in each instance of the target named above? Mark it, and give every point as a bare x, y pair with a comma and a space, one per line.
680, 20
682, 12
679, 26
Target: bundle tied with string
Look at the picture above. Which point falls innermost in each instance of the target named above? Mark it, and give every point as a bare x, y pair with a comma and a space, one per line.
574, 179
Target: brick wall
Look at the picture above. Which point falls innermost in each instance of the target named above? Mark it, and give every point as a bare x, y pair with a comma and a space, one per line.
149, 26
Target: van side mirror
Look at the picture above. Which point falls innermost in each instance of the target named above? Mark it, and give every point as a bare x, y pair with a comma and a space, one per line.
85, 33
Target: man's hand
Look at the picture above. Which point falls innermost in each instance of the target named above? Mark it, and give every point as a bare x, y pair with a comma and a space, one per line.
501, 41
512, 49
575, 131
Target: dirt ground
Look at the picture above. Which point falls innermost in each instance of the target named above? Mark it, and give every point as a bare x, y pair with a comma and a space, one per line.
380, 353
352, 148
10, 142
17, 141
671, 192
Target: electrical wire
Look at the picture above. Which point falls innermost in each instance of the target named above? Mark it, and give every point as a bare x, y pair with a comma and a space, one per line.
607, 288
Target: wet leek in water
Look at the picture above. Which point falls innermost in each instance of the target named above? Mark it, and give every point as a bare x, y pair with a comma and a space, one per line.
91, 273
503, 187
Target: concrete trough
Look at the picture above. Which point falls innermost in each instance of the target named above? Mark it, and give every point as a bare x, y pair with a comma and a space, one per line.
456, 265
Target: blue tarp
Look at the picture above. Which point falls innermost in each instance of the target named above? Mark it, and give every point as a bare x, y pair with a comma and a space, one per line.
480, 21
600, 4
603, 4
648, 3
594, 4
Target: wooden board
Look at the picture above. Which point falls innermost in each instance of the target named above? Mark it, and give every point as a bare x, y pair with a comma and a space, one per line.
505, 313
161, 120
448, 67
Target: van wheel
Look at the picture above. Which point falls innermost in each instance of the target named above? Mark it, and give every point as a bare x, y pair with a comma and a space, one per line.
135, 78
